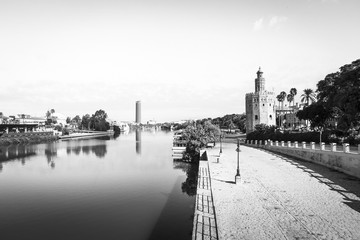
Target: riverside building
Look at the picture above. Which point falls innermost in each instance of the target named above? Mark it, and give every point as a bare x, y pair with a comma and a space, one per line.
260, 105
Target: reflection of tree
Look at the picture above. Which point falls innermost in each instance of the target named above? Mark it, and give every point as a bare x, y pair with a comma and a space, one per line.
99, 150
116, 135
85, 149
76, 150
51, 153
191, 170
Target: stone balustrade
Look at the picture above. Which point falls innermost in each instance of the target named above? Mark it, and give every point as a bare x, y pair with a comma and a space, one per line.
342, 158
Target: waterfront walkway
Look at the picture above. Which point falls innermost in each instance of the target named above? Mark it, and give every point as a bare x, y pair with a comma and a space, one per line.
281, 198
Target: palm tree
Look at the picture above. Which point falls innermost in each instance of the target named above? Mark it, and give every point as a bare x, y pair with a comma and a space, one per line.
293, 92
281, 99
307, 96
290, 98
283, 94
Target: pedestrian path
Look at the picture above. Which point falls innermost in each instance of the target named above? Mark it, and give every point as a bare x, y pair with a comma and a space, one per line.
281, 198
204, 227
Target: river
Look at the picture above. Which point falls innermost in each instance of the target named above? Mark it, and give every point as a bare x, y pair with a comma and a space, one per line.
127, 187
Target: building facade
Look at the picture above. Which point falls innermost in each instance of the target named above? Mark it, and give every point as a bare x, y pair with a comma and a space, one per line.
260, 105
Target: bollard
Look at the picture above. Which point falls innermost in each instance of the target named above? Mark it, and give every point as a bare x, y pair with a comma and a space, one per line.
289, 144
346, 147
271, 143
322, 146
312, 146
277, 143
256, 142
282, 143
303, 145
296, 144
265, 142
333, 147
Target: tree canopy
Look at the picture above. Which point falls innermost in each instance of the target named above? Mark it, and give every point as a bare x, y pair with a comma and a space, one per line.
339, 93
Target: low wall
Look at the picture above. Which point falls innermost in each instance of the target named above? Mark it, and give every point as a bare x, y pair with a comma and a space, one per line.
344, 161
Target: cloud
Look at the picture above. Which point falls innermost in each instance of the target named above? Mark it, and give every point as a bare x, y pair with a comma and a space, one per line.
258, 24
276, 20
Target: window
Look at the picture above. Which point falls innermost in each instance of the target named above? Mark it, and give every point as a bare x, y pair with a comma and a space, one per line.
263, 104
270, 117
270, 104
256, 117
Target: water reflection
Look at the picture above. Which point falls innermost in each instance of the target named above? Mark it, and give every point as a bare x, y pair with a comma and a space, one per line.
13, 152
138, 141
191, 170
99, 149
51, 154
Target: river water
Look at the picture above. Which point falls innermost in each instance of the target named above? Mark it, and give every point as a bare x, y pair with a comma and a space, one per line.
106, 188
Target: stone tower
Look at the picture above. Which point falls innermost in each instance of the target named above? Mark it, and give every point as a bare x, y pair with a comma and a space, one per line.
260, 105
138, 112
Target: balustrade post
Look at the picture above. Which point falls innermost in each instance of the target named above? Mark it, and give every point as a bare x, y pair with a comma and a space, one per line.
296, 144
303, 145
271, 143
346, 148
276, 143
289, 144
282, 143
333, 147
322, 146
312, 145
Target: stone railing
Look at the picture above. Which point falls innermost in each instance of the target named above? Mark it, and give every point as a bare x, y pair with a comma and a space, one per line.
333, 147
341, 158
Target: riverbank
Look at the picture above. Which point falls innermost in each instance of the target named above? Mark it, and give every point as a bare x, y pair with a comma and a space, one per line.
28, 137
87, 134
280, 198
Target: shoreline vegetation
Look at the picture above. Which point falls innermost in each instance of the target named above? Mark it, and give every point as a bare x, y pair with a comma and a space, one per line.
33, 137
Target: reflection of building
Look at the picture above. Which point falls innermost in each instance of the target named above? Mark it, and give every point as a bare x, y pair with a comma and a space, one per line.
138, 141
260, 105
138, 112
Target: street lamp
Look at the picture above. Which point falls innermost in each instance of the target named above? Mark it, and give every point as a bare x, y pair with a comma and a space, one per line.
237, 176
220, 144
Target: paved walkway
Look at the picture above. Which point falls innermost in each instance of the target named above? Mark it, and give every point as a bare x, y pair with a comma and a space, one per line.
204, 227
281, 198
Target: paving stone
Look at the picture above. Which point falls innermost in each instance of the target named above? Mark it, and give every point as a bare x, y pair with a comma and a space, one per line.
281, 198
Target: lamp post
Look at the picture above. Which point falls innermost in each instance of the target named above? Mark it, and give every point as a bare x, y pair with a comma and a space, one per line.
220, 144
237, 176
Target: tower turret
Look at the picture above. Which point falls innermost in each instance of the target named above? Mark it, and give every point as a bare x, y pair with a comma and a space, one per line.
259, 81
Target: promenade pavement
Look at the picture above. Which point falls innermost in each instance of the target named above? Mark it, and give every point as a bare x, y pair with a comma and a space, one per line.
281, 198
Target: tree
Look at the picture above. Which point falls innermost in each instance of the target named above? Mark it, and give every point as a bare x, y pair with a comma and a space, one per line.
283, 97
68, 120
308, 96
98, 121
339, 92
293, 92
85, 121
290, 98
197, 136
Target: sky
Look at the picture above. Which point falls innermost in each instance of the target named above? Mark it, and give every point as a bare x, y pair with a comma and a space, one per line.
183, 59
